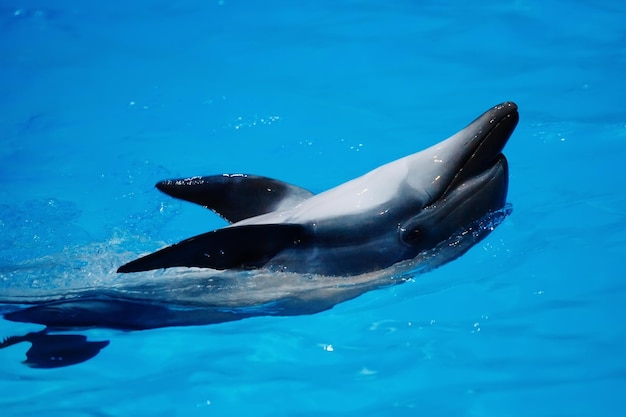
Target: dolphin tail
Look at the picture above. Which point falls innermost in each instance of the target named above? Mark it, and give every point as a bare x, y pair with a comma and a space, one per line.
239, 247
55, 351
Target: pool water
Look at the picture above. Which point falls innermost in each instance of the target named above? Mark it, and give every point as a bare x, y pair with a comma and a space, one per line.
100, 100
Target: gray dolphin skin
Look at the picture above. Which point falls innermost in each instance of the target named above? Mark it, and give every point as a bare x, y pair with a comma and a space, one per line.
386, 216
286, 251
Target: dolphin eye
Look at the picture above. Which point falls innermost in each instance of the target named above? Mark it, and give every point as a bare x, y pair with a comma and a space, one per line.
412, 236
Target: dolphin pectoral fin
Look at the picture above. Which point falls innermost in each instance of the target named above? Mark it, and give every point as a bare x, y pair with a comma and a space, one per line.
236, 196
240, 247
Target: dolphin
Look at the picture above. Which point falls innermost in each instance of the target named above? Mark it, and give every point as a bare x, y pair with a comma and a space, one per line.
289, 252
386, 216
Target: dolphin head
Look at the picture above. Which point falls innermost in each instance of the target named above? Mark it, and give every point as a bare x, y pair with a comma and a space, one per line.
459, 180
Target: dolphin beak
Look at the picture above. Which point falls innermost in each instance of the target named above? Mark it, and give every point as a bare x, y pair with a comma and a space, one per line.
481, 143
443, 167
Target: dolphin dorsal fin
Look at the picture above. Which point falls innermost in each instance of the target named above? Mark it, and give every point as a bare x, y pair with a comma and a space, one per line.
236, 196
234, 247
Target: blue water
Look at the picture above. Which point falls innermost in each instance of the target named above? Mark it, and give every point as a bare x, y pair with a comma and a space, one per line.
100, 100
